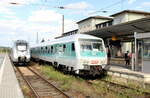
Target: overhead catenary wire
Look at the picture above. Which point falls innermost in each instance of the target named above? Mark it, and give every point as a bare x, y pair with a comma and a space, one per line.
109, 6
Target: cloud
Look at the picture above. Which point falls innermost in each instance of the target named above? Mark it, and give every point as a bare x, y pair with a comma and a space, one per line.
52, 21
79, 5
46, 22
145, 4
45, 16
131, 1
5, 10
6, 7
7, 26
70, 25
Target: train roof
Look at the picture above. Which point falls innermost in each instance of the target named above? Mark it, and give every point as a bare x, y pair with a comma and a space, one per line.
20, 41
66, 39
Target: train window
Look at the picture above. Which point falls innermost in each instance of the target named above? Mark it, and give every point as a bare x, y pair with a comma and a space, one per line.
73, 47
45, 49
64, 46
48, 50
51, 49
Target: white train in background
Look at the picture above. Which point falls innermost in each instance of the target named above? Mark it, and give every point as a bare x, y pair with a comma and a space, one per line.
20, 52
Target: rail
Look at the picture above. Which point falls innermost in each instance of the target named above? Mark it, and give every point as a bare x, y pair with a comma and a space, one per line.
39, 93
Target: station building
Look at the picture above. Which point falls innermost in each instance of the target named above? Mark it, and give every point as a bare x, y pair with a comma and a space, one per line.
121, 33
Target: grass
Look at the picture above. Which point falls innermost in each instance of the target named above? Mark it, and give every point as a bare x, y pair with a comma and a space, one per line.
130, 83
73, 83
69, 82
65, 80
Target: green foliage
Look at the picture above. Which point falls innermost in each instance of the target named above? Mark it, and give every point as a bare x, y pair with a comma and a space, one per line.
65, 80
96, 89
4, 50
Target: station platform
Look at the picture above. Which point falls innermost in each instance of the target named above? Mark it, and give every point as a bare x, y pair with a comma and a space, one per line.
126, 72
9, 86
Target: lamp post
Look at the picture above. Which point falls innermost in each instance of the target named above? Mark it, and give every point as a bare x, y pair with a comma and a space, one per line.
62, 24
62, 7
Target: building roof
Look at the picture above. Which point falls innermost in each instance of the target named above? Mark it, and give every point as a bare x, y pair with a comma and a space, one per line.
95, 17
76, 30
123, 29
131, 11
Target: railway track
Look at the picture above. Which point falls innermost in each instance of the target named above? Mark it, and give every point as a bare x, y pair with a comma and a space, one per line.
121, 89
41, 87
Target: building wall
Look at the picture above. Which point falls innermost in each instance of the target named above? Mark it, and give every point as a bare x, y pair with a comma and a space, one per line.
85, 25
125, 17
119, 19
89, 25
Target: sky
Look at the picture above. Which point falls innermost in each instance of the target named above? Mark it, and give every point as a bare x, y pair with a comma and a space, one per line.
27, 17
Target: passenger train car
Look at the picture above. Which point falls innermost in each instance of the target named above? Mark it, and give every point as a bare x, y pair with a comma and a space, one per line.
20, 52
79, 53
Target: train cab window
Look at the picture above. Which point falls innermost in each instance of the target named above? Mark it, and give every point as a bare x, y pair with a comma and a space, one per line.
22, 47
73, 47
86, 47
97, 47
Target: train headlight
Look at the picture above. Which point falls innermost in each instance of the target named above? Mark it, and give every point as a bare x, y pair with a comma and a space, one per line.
103, 65
86, 67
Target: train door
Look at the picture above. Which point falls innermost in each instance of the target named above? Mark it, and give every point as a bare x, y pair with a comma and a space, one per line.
60, 50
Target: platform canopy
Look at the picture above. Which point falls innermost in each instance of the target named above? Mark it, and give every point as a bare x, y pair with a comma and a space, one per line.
123, 29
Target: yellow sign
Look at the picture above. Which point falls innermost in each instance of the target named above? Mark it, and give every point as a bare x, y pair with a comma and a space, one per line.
113, 38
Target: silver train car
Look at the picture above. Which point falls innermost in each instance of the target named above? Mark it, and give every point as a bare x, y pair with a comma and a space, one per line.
20, 52
80, 53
